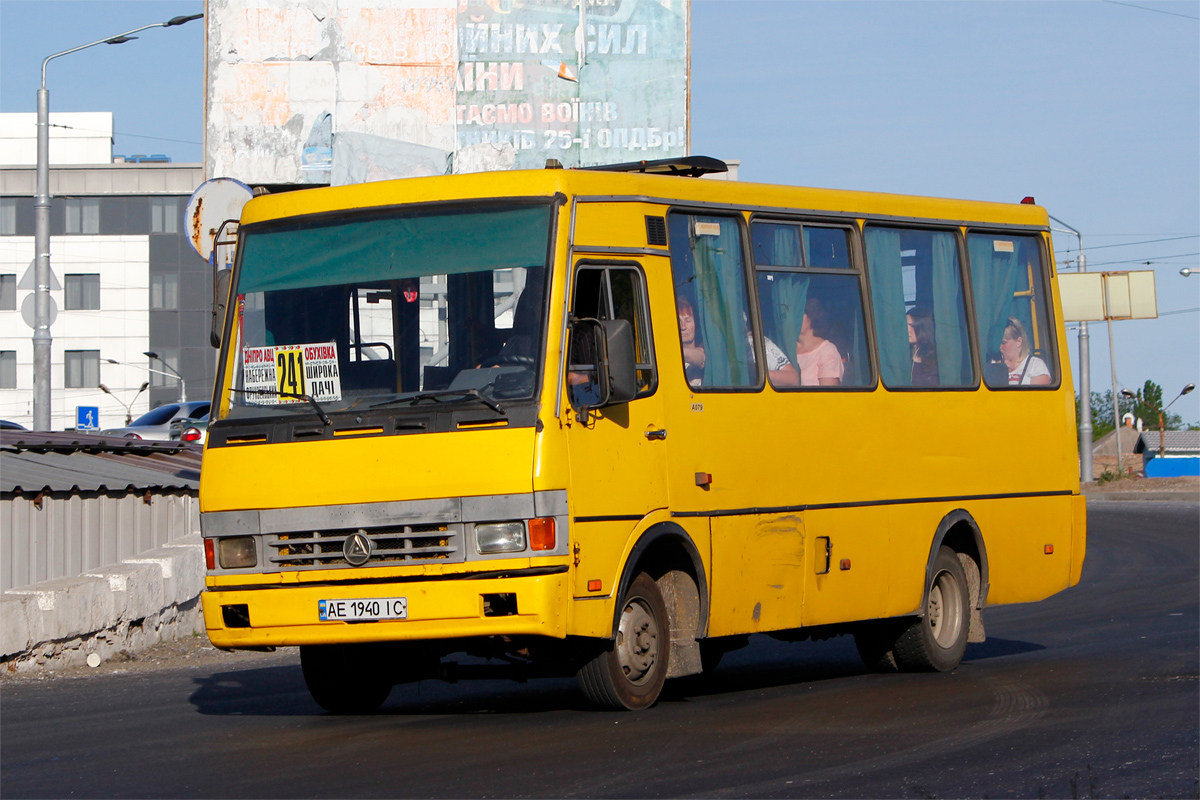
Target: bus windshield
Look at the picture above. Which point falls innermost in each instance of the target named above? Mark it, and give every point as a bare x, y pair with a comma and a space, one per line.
376, 308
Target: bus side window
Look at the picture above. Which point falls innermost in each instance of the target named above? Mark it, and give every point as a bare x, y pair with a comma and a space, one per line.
920, 314
1011, 310
616, 292
711, 299
811, 317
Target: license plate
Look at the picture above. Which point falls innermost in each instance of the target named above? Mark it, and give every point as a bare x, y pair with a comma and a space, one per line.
373, 608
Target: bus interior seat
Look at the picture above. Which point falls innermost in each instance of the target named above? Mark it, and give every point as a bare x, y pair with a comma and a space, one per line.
376, 374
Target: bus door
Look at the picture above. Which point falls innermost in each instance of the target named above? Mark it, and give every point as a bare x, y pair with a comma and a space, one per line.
729, 459
617, 453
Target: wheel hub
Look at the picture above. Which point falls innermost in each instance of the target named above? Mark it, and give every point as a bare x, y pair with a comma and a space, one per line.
637, 641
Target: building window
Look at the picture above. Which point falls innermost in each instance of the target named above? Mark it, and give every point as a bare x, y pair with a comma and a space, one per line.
164, 291
83, 292
8, 292
162, 376
8, 216
82, 214
8, 369
164, 215
82, 369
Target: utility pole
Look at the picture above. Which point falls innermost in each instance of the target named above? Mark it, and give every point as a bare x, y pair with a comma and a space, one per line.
41, 210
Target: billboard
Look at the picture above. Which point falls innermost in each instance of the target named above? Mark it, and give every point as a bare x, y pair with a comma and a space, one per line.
345, 91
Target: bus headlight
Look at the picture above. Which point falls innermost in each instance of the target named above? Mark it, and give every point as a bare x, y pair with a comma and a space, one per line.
237, 553
500, 537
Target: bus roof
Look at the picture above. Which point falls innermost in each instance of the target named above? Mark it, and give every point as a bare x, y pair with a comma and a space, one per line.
597, 184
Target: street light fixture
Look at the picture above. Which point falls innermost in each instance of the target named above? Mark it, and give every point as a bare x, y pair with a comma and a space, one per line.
182, 386
129, 405
41, 208
1185, 272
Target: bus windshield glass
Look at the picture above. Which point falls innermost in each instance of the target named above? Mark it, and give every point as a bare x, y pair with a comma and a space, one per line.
375, 308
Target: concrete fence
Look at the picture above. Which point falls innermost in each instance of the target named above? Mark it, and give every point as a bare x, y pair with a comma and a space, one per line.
126, 606
100, 547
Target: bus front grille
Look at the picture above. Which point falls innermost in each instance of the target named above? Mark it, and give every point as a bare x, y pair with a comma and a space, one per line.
390, 545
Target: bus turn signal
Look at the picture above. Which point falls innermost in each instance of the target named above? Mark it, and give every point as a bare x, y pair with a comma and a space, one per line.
541, 533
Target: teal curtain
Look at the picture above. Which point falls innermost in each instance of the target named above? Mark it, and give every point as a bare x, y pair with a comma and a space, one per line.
995, 276
949, 321
723, 313
887, 296
302, 256
787, 247
783, 296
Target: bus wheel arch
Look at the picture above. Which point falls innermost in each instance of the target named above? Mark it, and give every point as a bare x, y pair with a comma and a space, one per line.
667, 554
959, 531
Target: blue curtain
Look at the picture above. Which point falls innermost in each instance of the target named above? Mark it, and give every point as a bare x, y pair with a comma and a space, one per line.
949, 320
887, 296
722, 309
783, 296
995, 276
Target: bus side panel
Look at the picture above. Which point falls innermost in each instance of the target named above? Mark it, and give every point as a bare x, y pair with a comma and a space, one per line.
1028, 544
758, 573
1078, 537
861, 564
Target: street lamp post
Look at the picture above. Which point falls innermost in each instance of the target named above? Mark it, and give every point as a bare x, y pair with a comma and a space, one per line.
128, 406
163, 361
41, 208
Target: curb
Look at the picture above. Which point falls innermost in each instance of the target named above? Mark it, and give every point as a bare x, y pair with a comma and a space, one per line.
1179, 497
130, 606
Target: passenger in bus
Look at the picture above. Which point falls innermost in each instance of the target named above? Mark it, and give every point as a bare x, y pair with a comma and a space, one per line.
779, 366
1024, 368
693, 353
921, 343
817, 358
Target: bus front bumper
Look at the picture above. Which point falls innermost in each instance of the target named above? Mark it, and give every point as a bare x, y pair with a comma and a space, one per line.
282, 615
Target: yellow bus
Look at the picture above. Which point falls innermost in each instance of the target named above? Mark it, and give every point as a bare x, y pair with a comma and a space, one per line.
611, 422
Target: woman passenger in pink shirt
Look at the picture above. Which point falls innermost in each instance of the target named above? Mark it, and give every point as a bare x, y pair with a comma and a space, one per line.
817, 358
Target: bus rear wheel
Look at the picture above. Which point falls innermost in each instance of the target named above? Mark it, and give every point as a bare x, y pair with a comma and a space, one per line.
344, 679
937, 641
630, 673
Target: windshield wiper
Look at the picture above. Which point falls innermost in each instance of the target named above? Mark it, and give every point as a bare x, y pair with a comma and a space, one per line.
474, 394
305, 397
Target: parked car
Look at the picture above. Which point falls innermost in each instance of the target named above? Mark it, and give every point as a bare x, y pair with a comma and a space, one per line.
156, 424
6, 425
189, 430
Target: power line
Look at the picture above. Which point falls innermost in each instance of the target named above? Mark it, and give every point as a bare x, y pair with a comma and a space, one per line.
1182, 311
1155, 10
1131, 244
1141, 260
122, 133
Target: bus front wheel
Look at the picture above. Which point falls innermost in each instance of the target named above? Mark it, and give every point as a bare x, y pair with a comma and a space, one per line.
630, 673
344, 679
937, 641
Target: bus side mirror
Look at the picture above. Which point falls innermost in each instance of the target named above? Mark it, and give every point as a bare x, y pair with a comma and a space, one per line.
602, 367
221, 282
621, 361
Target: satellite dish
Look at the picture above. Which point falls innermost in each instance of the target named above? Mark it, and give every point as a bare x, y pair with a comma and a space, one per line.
209, 207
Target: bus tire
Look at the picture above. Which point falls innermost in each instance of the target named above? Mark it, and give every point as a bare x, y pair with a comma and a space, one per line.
936, 642
340, 683
629, 674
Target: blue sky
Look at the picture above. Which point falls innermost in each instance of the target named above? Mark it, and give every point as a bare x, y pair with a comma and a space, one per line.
1092, 107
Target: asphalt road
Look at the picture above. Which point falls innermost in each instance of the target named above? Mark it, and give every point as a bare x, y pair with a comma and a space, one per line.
1092, 693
